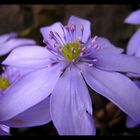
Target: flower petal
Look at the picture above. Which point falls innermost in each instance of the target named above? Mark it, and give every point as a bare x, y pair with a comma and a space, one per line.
133, 75
56, 27
81, 22
116, 87
106, 46
118, 62
70, 105
101, 45
5, 37
20, 42
137, 54
137, 82
13, 43
134, 44
29, 57
34, 116
4, 130
133, 18
130, 123
29, 90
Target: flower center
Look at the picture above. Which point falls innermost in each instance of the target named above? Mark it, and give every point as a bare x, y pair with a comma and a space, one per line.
71, 51
4, 83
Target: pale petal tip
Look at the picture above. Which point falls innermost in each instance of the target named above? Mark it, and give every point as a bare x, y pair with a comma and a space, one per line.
133, 18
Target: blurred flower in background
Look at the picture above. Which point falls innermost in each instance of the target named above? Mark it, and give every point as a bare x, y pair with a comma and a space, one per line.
133, 18
34, 116
10, 41
133, 48
10, 75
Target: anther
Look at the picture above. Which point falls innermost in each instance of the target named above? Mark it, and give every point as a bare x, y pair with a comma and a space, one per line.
49, 66
73, 27
83, 49
73, 60
57, 46
50, 36
78, 39
56, 33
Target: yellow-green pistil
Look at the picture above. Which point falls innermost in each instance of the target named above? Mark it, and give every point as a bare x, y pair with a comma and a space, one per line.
71, 51
4, 83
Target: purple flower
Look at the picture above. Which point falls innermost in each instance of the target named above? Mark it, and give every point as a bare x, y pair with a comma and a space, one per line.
9, 41
133, 18
133, 48
26, 118
71, 60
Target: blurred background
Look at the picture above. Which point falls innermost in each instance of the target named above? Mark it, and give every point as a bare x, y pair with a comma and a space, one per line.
106, 21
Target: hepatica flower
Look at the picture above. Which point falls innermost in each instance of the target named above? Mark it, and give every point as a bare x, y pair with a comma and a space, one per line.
10, 41
71, 60
26, 118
